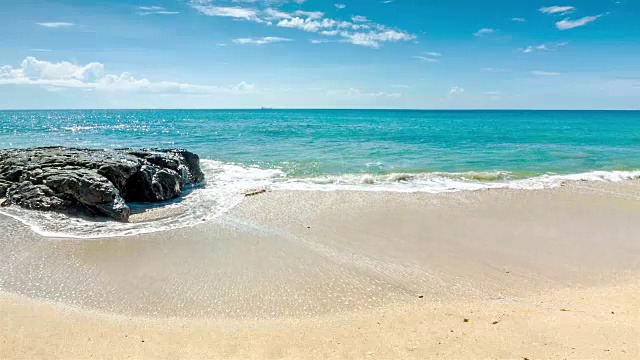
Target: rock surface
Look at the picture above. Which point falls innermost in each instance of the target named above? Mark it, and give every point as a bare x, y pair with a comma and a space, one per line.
95, 182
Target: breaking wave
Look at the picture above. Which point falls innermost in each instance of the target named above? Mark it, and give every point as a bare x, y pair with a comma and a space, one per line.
227, 183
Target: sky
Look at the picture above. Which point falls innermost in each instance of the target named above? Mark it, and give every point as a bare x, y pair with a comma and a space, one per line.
413, 54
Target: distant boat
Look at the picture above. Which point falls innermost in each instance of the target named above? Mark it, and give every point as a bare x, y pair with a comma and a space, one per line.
266, 108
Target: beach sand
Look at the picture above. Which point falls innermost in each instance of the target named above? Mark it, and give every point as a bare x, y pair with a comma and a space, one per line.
500, 274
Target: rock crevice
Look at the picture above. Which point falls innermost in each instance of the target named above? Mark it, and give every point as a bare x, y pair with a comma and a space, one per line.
94, 182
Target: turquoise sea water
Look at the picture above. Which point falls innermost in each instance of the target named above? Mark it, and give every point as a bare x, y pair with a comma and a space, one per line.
357, 149
319, 142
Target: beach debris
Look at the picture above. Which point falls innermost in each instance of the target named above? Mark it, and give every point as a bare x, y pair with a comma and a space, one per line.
495, 322
253, 192
420, 296
466, 320
94, 182
565, 310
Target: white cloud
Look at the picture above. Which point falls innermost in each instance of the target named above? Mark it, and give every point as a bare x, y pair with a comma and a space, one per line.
155, 10
570, 24
560, 10
308, 24
517, 19
545, 73
456, 90
276, 14
226, 11
543, 47
55, 24
150, 8
400, 86
260, 41
425, 59
340, 6
432, 53
484, 31
310, 14
92, 76
359, 31
373, 39
244, 87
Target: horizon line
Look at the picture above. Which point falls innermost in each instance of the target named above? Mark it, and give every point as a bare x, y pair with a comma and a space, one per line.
316, 109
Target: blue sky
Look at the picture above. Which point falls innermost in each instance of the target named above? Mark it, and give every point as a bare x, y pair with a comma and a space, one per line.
320, 54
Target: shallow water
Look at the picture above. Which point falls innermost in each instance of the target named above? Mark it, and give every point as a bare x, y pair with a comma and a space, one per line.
364, 150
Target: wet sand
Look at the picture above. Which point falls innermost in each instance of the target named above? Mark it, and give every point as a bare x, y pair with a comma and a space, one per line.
342, 274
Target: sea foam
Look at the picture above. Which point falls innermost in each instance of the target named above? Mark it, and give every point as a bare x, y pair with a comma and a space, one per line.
226, 184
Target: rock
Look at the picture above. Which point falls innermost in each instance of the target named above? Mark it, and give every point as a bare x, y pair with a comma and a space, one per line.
90, 189
4, 185
34, 197
94, 182
151, 184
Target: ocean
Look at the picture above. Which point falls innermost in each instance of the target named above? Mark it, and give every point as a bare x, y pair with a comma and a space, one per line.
329, 150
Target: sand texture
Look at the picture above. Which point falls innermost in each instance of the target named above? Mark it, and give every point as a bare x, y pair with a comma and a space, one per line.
538, 274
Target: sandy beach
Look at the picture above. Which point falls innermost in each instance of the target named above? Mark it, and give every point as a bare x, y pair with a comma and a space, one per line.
497, 274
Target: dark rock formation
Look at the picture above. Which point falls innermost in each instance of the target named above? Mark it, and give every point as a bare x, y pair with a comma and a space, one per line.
95, 182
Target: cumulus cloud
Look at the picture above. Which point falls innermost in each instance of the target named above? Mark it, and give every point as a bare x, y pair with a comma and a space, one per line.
275, 14
567, 24
517, 19
92, 76
340, 6
308, 24
310, 14
260, 41
374, 38
358, 31
456, 90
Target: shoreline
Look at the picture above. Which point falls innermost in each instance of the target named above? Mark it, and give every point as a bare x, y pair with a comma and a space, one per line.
296, 274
